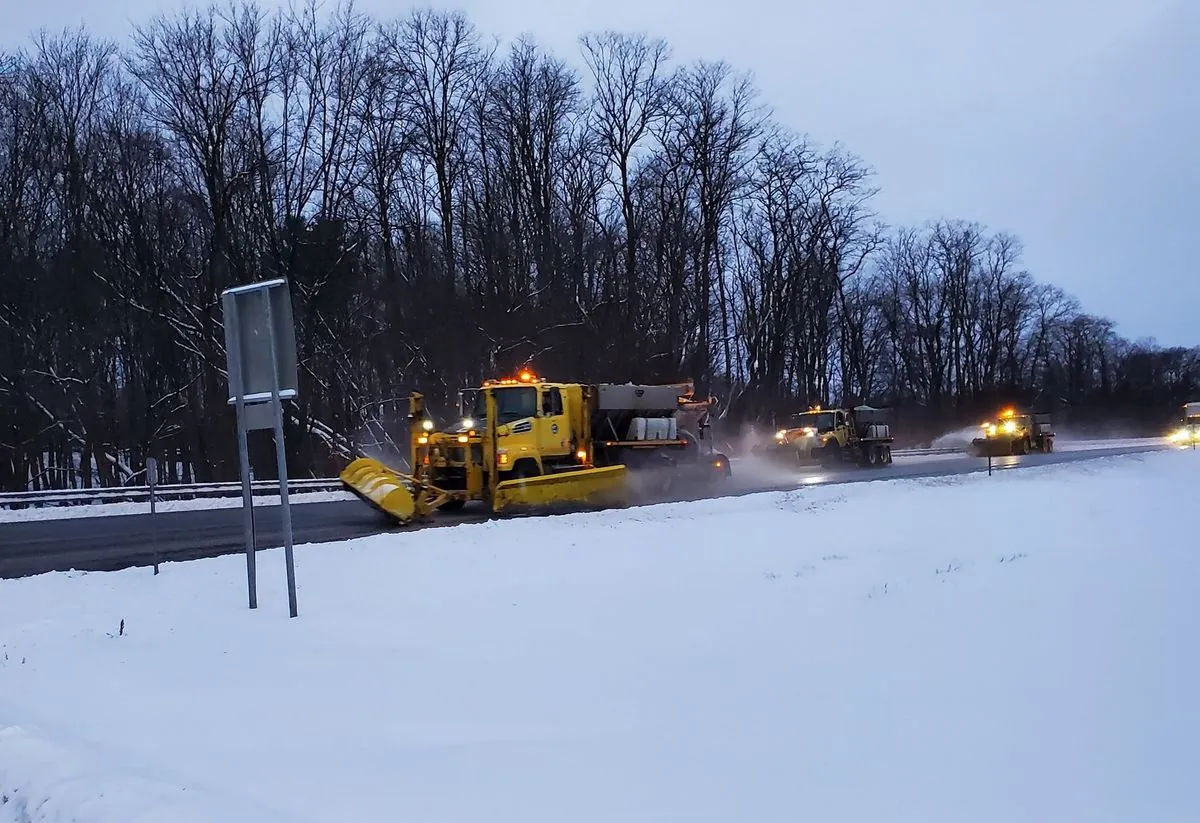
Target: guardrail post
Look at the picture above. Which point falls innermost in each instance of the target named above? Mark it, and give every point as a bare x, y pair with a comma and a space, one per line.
989, 462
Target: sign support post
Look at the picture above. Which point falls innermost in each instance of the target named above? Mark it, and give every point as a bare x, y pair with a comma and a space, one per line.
281, 455
152, 481
237, 389
260, 349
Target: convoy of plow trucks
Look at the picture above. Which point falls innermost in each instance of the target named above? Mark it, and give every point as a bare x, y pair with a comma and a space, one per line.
525, 441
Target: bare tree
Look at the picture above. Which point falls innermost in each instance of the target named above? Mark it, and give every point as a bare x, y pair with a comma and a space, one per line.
443, 215
631, 88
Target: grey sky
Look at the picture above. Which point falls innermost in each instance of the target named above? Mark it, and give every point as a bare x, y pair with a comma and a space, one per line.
1071, 123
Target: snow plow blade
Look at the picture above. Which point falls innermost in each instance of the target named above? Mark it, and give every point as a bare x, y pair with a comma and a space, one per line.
605, 485
380, 487
992, 448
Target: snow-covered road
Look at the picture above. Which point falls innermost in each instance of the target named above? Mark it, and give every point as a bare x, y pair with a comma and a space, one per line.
13, 515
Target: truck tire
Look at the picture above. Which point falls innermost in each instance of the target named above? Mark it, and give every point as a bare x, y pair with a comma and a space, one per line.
524, 468
887, 455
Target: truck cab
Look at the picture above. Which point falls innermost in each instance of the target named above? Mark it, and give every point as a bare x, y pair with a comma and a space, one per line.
537, 431
811, 431
833, 436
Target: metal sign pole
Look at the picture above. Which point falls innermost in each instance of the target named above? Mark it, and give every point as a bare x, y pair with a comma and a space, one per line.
236, 383
281, 460
258, 388
152, 481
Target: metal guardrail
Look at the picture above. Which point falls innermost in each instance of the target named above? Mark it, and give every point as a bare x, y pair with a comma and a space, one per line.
922, 452
141, 494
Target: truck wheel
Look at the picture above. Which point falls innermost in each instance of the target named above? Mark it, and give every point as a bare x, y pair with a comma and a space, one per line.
720, 464
523, 469
887, 455
872, 456
1048, 445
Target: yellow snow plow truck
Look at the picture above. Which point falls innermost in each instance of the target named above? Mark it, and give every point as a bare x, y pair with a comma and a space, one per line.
525, 441
1014, 433
860, 436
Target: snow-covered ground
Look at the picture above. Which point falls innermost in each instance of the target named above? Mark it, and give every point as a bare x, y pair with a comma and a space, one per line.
197, 504
1066, 444
1016, 647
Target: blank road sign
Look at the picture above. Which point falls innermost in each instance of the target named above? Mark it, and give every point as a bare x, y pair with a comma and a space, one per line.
259, 416
246, 337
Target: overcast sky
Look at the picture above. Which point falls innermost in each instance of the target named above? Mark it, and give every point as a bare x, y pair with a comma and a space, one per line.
1073, 124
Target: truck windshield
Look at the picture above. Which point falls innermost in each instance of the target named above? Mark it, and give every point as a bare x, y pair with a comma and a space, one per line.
511, 404
821, 421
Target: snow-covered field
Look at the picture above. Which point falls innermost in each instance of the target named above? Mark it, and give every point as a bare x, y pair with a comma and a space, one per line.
1010, 648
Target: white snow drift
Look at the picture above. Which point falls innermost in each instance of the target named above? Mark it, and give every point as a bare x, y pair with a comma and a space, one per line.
1019, 647
8, 515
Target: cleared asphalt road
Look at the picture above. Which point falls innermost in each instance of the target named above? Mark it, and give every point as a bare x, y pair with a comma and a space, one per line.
121, 541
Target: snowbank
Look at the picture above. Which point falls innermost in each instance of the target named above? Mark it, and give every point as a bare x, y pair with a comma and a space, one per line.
112, 509
1018, 647
1063, 441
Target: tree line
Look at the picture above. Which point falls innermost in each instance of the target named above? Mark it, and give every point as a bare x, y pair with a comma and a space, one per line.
447, 209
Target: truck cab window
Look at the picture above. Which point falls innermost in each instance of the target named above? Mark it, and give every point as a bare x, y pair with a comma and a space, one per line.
821, 421
551, 403
511, 404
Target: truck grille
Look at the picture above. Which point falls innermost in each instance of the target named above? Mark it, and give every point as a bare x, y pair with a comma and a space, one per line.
451, 478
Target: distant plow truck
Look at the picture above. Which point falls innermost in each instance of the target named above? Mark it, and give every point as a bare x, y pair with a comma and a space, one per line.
1188, 432
859, 436
1014, 433
525, 441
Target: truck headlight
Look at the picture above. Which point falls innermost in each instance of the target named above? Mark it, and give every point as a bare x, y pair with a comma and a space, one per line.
468, 423
781, 434
427, 424
1009, 426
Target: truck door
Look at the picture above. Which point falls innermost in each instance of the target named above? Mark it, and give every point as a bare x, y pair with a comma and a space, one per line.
554, 426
